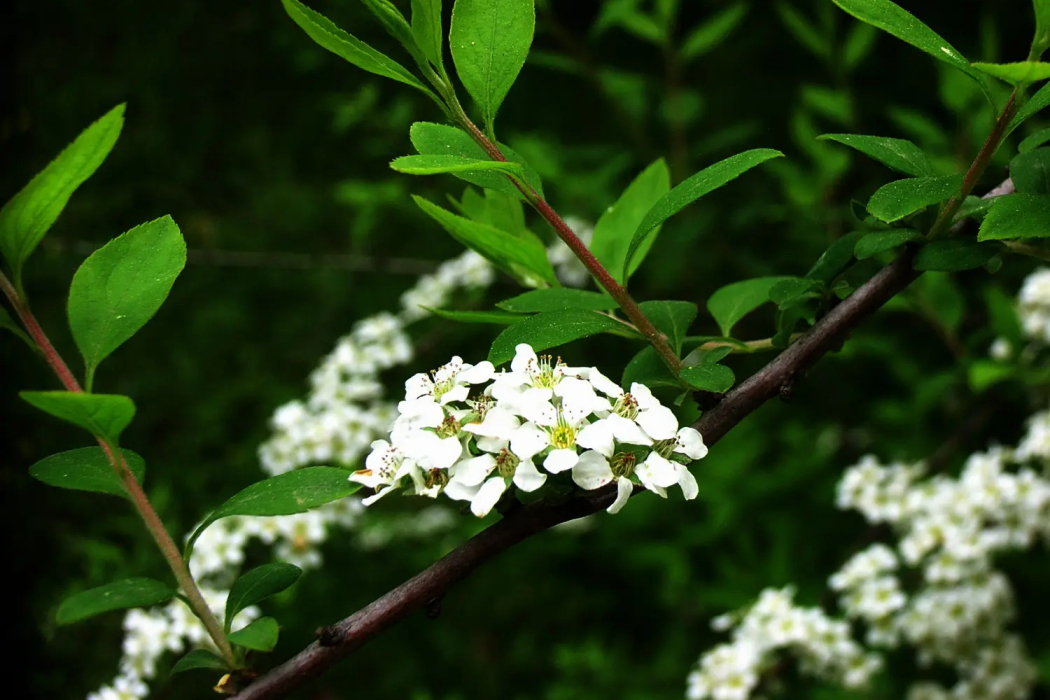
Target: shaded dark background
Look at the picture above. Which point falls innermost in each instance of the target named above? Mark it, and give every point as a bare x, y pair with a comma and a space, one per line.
255, 140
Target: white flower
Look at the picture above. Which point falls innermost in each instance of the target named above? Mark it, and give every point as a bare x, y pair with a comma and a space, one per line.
592, 471
471, 480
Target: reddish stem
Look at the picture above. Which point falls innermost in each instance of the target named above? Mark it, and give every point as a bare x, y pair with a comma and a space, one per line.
565, 233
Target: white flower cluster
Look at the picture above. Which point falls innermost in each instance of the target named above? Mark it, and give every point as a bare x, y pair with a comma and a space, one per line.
343, 414
1034, 305
949, 530
471, 442
824, 646
149, 634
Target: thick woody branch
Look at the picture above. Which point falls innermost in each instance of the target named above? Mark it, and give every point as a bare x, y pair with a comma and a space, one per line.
342, 638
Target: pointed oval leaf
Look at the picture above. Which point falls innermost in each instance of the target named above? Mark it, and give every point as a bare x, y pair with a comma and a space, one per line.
199, 658
396, 26
342, 44
672, 318
899, 154
436, 165
426, 26
882, 241
490, 40
539, 300
29, 214
705, 181
1034, 140
259, 584
1035, 104
712, 32
121, 286
443, 140
1031, 171
897, 21
260, 635
520, 257
119, 595
899, 199
496, 318
551, 329
733, 302
836, 259
709, 377
616, 227
1017, 216
647, 368
954, 255
284, 494
102, 415
86, 469
1016, 73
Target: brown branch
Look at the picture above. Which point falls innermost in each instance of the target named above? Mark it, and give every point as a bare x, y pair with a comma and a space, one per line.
419, 592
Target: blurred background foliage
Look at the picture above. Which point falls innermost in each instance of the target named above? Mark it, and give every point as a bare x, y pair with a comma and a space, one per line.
272, 156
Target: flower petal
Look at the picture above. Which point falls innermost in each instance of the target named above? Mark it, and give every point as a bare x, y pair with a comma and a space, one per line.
597, 436
456, 393
488, 496
378, 494
626, 430
473, 471
604, 384
643, 396
560, 460
527, 440
498, 423
478, 374
656, 471
691, 444
591, 471
524, 358
458, 491
624, 489
687, 481
527, 477
658, 422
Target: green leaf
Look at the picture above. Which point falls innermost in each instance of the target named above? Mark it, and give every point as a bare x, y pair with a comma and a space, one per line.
709, 377
442, 140
257, 585
102, 415
1035, 104
396, 26
522, 258
710, 34
672, 318
881, 241
1017, 216
954, 255
899, 199
121, 285
983, 374
647, 368
490, 41
899, 154
86, 469
496, 209
284, 494
436, 165
836, 258
328, 35
1016, 73
705, 181
549, 330
260, 635
29, 214
1031, 171
9, 323
1034, 140
199, 658
559, 299
119, 595
804, 31
858, 44
426, 26
616, 227
1041, 40
975, 207
897, 21
733, 302
499, 318
792, 290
